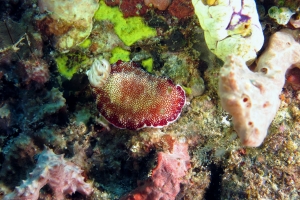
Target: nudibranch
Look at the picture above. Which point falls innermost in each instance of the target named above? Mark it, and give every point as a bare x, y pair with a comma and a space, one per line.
132, 98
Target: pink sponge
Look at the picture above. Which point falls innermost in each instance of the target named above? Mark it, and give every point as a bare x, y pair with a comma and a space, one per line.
63, 177
252, 98
166, 177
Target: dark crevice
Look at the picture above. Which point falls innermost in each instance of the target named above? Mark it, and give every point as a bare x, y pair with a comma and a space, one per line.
214, 190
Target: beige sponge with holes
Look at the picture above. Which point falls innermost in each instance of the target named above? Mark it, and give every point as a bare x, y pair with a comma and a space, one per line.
252, 98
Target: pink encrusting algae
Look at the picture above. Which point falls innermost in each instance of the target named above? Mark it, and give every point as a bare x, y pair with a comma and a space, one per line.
166, 178
132, 98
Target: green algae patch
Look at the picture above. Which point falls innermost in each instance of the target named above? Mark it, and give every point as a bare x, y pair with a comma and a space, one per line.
119, 54
148, 64
69, 64
130, 29
188, 91
86, 43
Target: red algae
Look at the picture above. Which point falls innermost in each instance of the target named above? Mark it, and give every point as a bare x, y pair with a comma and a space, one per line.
36, 70
112, 2
133, 8
159, 4
293, 78
132, 98
181, 9
129, 8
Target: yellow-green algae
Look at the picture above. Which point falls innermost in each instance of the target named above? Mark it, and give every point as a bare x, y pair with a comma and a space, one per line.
148, 64
187, 90
119, 54
130, 29
86, 43
68, 64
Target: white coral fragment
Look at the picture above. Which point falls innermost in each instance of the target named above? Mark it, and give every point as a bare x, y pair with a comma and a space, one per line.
70, 22
230, 27
252, 98
99, 72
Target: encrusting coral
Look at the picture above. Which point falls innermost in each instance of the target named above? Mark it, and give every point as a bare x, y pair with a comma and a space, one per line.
63, 177
253, 98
